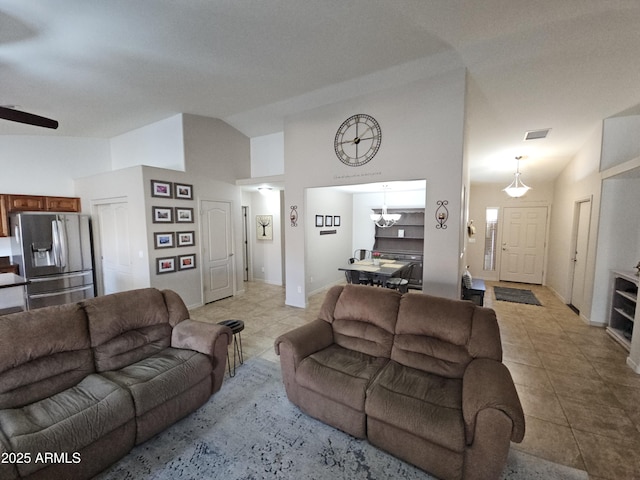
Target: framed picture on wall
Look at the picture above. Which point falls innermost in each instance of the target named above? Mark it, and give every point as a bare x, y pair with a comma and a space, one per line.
162, 214
328, 221
186, 239
165, 265
183, 191
161, 189
319, 220
184, 215
336, 220
163, 240
264, 227
186, 262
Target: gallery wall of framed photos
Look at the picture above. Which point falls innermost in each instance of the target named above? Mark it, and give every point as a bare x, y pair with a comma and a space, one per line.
174, 235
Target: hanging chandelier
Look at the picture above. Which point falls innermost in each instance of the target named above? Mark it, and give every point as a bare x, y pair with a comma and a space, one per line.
385, 219
517, 188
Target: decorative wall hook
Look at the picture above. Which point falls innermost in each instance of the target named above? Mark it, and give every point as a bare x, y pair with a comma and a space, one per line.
293, 216
442, 214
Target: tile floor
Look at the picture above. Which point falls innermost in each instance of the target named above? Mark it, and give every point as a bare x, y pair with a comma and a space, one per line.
581, 401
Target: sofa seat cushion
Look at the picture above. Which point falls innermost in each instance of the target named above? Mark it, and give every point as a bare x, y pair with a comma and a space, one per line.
68, 421
427, 405
340, 374
160, 377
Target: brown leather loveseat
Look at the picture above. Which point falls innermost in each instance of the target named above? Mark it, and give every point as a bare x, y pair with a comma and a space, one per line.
418, 376
81, 384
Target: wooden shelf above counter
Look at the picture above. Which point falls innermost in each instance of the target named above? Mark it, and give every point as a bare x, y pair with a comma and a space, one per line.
11, 203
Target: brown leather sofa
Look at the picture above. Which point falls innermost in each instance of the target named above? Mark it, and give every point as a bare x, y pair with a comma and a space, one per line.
418, 376
81, 384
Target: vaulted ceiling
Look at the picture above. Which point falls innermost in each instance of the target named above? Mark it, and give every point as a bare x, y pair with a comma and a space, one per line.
102, 68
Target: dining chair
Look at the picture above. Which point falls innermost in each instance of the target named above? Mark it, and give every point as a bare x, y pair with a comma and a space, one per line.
361, 254
401, 283
354, 276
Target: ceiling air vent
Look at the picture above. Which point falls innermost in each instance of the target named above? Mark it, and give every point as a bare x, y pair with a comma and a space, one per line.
536, 134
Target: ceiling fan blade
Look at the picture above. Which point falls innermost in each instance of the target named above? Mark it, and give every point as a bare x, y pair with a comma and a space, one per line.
28, 118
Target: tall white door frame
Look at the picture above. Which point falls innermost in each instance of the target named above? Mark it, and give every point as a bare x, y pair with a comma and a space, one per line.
113, 263
579, 252
216, 249
524, 244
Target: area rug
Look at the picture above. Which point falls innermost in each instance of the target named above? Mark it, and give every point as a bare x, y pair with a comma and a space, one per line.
515, 295
249, 430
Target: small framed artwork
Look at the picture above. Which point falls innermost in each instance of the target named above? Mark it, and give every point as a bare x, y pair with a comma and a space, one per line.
160, 189
165, 265
336, 220
186, 239
319, 220
184, 215
186, 262
163, 240
162, 214
183, 191
264, 227
328, 221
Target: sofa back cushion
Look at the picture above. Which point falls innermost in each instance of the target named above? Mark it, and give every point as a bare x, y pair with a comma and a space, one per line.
441, 335
126, 327
364, 319
42, 352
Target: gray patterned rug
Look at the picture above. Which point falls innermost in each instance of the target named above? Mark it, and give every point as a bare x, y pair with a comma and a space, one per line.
515, 295
249, 430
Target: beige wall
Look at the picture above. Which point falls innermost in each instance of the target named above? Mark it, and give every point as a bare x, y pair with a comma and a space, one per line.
483, 196
422, 138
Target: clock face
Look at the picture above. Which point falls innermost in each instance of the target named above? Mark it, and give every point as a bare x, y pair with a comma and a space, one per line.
358, 140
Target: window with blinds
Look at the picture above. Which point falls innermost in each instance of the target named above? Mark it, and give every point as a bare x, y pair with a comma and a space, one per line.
491, 239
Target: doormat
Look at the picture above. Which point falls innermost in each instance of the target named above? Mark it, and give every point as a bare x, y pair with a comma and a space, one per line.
515, 295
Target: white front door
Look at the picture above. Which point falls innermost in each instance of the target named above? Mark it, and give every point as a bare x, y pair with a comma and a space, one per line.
524, 231
217, 250
112, 237
580, 254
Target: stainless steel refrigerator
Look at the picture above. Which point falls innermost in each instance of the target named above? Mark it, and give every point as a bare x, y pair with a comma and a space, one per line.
54, 253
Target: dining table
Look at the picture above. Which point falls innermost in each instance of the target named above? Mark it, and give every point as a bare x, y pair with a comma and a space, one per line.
377, 271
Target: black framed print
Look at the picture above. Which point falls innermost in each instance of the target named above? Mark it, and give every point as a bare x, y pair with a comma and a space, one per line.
186, 239
319, 220
165, 265
161, 189
187, 262
184, 215
336, 220
328, 221
163, 240
162, 214
183, 191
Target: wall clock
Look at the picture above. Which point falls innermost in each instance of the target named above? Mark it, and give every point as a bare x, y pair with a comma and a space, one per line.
358, 140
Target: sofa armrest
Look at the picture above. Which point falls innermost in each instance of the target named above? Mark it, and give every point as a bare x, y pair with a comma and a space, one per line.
307, 339
488, 384
199, 336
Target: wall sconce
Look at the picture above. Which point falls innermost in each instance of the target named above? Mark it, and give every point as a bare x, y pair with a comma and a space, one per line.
442, 214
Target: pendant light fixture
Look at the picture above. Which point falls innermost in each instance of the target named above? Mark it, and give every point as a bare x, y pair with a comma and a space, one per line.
517, 188
385, 219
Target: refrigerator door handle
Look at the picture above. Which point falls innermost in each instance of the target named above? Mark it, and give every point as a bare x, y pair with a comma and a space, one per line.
61, 292
55, 240
62, 232
59, 243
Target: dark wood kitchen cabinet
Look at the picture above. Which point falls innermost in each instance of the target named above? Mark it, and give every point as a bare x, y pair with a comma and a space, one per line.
12, 203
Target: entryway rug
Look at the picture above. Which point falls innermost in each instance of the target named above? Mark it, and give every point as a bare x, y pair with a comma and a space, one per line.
515, 295
249, 430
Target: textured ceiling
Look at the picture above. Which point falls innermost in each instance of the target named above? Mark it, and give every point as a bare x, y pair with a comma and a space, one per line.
104, 68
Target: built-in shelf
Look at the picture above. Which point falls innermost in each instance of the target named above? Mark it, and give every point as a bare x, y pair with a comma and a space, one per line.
624, 299
404, 241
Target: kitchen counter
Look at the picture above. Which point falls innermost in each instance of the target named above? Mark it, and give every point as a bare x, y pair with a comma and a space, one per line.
12, 293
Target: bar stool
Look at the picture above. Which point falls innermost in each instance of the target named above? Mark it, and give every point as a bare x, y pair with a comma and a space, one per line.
236, 327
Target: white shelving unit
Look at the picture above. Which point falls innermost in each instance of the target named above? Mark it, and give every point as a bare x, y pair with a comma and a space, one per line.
624, 299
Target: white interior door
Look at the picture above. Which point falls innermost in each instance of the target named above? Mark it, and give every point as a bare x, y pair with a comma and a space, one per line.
217, 254
524, 232
580, 254
115, 251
